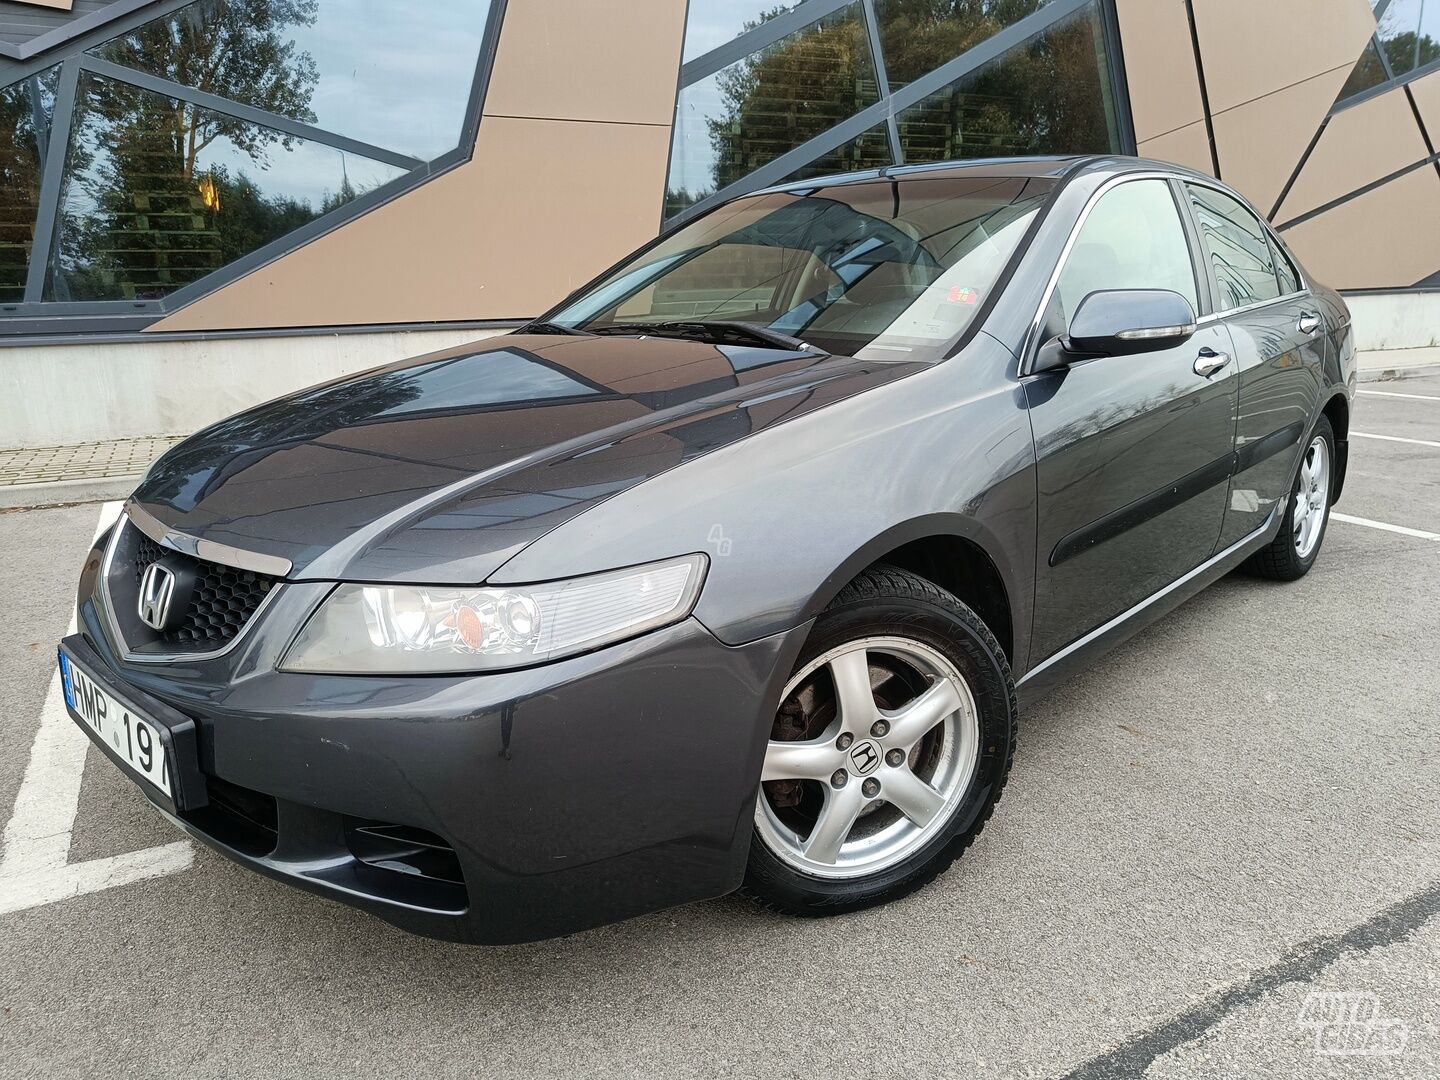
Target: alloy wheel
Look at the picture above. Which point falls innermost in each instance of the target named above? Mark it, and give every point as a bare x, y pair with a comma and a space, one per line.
874, 745
1312, 496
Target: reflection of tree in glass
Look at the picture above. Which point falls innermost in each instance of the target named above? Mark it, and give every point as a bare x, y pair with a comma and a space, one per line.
792, 91
158, 216
19, 188
235, 49
917, 36
1411, 50
1043, 97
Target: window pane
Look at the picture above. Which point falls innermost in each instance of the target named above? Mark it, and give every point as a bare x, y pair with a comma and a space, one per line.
24, 126
740, 118
711, 23
386, 72
159, 193
1410, 34
1366, 74
1236, 241
1132, 239
868, 150
1285, 270
917, 36
1050, 95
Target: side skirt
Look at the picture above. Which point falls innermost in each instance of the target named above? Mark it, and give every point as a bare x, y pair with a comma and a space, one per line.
1044, 677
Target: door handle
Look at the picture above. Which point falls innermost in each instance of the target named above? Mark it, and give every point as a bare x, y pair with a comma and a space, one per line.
1209, 361
1307, 323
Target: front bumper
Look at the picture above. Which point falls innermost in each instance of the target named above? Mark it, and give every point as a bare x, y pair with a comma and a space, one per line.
571, 794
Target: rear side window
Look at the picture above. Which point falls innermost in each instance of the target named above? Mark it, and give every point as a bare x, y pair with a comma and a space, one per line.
1238, 247
1131, 239
1289, 276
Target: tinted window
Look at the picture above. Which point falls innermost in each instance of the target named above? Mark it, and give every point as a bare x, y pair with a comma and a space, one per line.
898, 268
1238, 248
24, 123
918, 36
1289, 276
1131, 239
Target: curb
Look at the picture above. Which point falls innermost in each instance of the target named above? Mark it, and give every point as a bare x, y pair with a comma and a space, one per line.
1407, 371
63, 492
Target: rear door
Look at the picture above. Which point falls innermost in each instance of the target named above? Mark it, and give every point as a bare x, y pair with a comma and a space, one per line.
1133, 452
1278, 333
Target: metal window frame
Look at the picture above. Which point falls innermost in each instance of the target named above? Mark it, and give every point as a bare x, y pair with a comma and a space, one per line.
887, 109
111, 316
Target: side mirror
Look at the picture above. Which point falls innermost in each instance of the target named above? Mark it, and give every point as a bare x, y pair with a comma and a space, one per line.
1120, 322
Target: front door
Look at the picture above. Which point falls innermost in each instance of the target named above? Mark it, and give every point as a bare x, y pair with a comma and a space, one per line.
1133, 452
1278, 334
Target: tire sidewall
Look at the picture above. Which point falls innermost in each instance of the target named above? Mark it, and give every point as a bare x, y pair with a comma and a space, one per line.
983, 666
1322, 429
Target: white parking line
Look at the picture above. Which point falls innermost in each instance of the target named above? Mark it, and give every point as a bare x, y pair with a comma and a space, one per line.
1419, 534
1389, 393
35, 867
1394, 438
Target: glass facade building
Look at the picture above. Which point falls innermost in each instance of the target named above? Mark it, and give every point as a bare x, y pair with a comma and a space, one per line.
292, 172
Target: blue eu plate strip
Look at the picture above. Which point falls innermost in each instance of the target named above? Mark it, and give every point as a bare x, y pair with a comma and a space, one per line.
65, 681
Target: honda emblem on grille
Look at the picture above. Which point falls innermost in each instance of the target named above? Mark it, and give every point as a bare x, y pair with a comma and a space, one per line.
157, 593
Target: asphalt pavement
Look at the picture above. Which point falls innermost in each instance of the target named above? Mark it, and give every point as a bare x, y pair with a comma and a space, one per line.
1218, 856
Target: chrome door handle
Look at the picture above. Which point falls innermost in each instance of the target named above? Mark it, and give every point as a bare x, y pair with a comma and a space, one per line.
1307, 323
1209, 362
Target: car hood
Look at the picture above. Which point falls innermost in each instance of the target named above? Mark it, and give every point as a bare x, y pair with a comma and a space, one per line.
440, 468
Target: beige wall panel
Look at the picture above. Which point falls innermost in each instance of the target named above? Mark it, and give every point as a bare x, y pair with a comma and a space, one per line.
1386, 238
503, 236
615, 60
1427, 99
1255, 47
1159, 66
1189, 145
1260, 143
1360, 145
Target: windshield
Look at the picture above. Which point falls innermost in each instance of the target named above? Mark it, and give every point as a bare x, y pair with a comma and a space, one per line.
892, 268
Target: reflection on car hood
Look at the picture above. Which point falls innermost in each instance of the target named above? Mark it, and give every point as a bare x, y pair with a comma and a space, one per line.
442, 467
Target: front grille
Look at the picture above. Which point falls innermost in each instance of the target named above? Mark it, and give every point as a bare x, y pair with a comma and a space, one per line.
223, 601
238, 817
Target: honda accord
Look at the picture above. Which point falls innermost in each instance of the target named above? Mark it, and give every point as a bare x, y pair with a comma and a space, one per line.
731, 571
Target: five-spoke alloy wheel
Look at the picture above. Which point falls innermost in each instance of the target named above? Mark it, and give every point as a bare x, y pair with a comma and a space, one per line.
888, 751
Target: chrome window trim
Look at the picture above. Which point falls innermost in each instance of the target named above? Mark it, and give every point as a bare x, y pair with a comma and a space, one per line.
200, 548
107, 605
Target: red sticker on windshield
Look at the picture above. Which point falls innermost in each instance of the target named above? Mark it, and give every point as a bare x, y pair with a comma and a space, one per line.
962, 294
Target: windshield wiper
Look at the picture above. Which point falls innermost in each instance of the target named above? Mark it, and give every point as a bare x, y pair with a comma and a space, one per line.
716, 332
543, 327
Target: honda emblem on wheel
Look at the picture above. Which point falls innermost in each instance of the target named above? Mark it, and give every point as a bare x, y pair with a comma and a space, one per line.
865, 758
157, 591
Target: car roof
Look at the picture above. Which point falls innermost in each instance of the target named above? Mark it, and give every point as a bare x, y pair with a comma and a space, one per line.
1058, 167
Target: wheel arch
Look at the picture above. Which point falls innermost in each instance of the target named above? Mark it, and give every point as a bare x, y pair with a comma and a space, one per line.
952, 551
1337, 411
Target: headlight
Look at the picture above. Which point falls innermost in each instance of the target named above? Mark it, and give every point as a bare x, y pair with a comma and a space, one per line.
421, 629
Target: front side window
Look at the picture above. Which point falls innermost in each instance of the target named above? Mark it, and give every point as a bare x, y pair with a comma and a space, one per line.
1238, 248
1131, 239
891, 269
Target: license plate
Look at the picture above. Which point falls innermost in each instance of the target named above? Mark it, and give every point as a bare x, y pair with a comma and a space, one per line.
134, 738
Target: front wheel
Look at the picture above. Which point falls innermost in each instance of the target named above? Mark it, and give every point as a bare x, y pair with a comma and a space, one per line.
889, 750
1294, 550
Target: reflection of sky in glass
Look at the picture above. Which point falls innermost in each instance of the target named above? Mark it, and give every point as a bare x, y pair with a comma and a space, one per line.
711, 23
495, 378
392, 73
395, 73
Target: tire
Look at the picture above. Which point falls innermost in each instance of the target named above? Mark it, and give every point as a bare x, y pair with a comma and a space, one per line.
1287, 558
899, 641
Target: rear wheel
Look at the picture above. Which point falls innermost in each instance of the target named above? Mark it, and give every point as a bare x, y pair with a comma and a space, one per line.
1294, 550
889, 750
